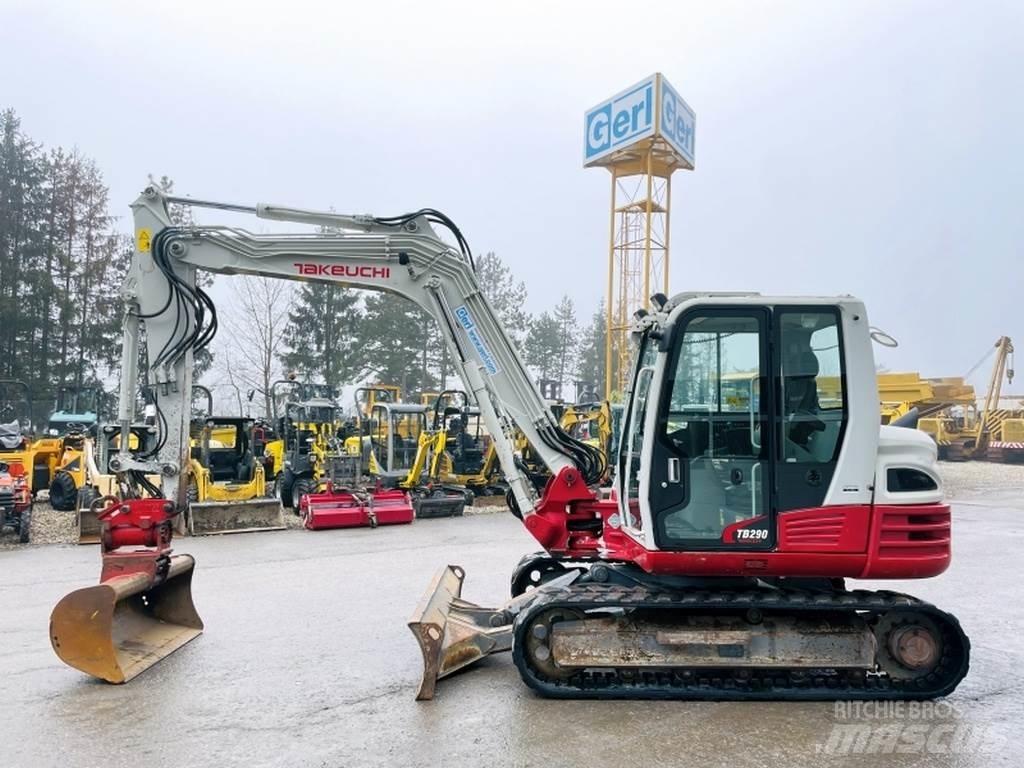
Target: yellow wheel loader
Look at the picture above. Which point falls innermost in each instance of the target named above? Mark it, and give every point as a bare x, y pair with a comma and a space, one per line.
71, 425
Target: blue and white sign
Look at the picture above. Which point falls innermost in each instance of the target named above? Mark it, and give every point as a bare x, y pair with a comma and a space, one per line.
677, 122
623, 119
651, 107
466, 321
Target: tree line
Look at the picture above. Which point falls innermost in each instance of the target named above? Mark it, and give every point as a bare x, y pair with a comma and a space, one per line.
63, 256
61, 265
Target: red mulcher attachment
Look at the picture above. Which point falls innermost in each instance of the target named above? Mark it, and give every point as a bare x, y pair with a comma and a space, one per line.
347, 508
142, 610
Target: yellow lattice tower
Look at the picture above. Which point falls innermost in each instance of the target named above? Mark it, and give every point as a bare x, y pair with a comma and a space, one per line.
641, 135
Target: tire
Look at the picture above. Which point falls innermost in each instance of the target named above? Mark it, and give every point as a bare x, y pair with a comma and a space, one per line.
63, 492
25, 525
300, 488
285, 481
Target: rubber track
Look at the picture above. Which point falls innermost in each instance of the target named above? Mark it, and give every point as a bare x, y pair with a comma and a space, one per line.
742, 684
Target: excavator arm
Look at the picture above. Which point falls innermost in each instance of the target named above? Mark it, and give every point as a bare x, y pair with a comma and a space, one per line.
401, 255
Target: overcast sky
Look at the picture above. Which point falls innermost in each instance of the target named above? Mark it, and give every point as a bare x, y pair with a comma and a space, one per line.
842, 147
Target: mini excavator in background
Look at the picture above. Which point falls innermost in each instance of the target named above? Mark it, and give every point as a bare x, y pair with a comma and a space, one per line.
745, 493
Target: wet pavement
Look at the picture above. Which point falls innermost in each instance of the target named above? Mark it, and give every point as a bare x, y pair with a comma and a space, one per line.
306, 661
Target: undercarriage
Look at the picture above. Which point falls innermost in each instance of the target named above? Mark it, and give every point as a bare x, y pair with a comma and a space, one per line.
612, 631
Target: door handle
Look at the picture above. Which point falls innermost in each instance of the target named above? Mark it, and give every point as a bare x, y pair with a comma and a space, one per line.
673, 470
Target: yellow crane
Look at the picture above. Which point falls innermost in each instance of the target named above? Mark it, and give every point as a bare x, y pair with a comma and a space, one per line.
967, 435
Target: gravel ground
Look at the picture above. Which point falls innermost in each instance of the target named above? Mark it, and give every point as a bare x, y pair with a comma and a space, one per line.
964, 479
48, 527
52, 527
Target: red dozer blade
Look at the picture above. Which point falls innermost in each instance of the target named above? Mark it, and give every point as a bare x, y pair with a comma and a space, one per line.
350, 509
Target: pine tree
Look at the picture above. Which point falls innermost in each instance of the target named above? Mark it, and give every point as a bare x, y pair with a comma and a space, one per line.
506, 295
568, 337
22, 170
400, 342
590, 366
322, 337
543, 345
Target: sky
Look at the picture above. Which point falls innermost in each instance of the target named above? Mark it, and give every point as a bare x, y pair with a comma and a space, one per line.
865, 148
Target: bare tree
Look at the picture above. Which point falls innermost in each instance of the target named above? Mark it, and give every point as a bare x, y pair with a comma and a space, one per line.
232, 374
252, 335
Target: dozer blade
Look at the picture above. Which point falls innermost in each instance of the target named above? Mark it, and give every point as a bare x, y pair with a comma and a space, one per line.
453, 633
211, 517
121, 627
440, 505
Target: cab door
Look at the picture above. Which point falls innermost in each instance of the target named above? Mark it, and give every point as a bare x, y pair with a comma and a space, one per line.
711, 477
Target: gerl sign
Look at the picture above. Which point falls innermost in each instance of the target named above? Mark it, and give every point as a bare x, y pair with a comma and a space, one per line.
652, 107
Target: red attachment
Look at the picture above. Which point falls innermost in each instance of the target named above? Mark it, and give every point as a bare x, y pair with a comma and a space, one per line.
562, 519
347, 509
16, 469
136, 534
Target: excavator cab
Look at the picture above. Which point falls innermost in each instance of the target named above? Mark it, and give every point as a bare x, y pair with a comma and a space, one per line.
394, 431
719, 436
400, 452
468, 456
76, 410
307, 430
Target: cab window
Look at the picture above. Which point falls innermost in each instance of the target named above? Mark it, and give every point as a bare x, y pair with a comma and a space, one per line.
813, 400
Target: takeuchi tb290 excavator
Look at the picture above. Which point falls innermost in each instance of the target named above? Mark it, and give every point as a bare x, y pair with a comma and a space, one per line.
751, 480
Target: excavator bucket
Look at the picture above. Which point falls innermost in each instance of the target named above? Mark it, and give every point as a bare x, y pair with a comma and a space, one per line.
124, 625
453, 633
210, 517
